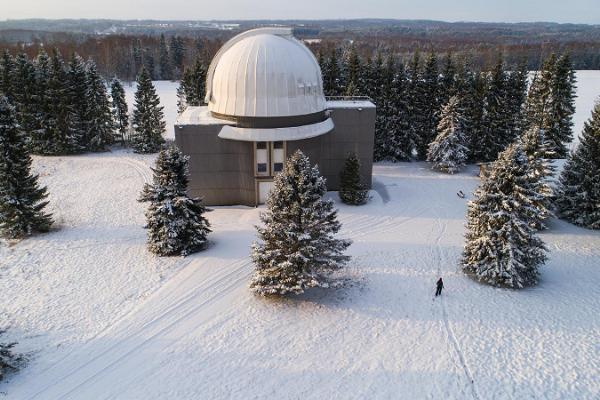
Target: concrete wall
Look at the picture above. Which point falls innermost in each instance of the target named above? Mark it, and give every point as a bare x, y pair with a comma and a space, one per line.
221, 171
354, 132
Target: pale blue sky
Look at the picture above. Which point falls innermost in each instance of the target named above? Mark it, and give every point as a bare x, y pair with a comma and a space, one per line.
577, 11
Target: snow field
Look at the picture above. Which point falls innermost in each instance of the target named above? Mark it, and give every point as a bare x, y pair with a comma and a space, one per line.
104, 319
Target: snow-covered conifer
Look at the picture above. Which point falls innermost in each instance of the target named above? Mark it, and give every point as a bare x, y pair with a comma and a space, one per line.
297, 248
100, 123
175, 222
147, 122
539, 171
22, 200
119, 109
352, 191
7, 66
191, 90
502, 248
426, 106
561, 107
448, 152
77, 87
578, 192
25, 99
9, 360
164, 60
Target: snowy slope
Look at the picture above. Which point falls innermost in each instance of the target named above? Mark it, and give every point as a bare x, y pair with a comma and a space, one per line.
103, 319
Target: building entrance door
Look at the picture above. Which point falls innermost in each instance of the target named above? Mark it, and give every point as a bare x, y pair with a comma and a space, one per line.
264, 187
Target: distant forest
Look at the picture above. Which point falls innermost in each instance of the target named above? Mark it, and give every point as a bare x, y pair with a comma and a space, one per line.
121, 48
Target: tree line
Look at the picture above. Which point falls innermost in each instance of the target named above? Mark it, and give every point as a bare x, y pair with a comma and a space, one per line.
494, 106
66, 107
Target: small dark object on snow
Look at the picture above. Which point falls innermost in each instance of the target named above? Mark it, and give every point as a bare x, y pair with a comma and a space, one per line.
440, 286
460, 194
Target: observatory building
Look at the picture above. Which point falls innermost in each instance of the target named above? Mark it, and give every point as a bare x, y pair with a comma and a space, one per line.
265, 99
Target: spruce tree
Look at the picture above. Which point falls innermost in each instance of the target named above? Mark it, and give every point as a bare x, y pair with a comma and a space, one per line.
448, 152
166, 70
41, 136
192, 90
502, 248
22, 200
9, 360
473, 106
561, 107
77, 87
539, 172
119, 109
352, 191
353, 74
334, 80
147, 122
61, 133
297, 248
496, 134
578, 192
175, 222
426, 106
539, 95
177, 48
148, 63
448, 80
25, 99
7, 66
100, 122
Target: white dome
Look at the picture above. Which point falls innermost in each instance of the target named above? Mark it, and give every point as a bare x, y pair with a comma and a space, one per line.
265, 72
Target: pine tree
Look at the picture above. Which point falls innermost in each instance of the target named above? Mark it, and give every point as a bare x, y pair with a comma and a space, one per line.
353, 74
352, 191
100, 122
9, 360
496, 134
516, 96
539, 172
335, 81
119, 109
25, 100
578, 192
76, 90
192, 90
147, 122
540, 92
7, 66
448, 152
41, 136
502, 248
148, 63
22, 201
427, 107
61, 133
175, 222
561, 107
177, 48
166, 70
473, 106
448, 80
297, 249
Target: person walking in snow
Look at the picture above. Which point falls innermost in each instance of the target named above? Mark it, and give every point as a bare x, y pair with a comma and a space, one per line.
440, 286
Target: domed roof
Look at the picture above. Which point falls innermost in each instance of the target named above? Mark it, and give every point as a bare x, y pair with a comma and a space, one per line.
265, 72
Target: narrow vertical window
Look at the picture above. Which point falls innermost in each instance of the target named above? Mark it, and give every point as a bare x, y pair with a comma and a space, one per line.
262, 159
278, 157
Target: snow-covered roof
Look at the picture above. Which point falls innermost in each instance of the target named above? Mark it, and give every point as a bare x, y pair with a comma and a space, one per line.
265, 72
332, 104
199, 116
276, 134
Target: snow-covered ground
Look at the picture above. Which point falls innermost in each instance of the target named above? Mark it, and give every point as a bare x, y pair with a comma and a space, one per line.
103, 319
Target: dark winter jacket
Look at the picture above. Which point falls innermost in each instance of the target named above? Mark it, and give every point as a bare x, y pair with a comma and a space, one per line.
440, 283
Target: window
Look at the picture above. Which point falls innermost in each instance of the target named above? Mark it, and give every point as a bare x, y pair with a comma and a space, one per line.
269, 157
262, 159
277, 157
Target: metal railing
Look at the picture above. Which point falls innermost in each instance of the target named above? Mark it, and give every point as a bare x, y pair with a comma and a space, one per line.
348, 98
